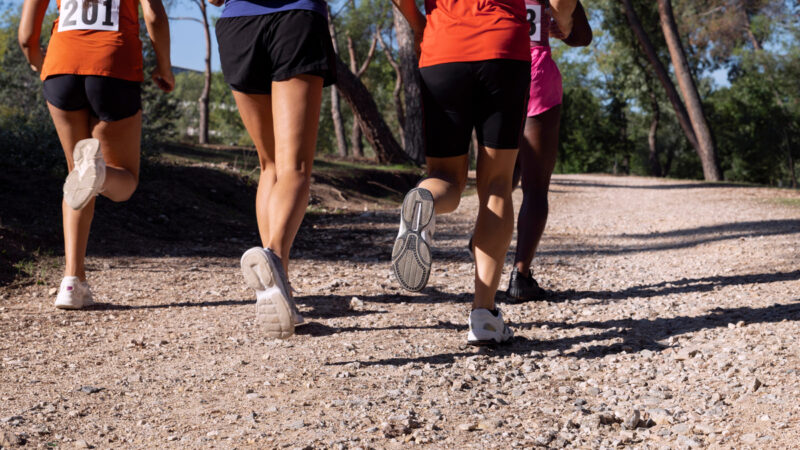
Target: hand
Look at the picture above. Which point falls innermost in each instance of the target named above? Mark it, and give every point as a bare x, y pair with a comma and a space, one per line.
555, 32
164, 79
216, 2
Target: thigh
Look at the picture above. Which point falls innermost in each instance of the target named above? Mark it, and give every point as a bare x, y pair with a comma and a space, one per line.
256, 113
448, 109
453, 169
120, 141
296, 106
502, 100
71, 126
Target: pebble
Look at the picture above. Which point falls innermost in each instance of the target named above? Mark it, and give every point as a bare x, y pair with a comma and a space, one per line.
90, 389
80, 443
9, 439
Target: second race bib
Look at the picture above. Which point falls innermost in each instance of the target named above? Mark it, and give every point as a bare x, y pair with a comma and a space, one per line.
534, 12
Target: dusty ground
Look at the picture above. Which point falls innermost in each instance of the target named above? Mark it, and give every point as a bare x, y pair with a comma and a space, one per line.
675, 323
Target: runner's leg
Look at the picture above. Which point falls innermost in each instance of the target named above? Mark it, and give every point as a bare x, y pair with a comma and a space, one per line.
537, 159
256, 112
447, 178
120, 142
495, 223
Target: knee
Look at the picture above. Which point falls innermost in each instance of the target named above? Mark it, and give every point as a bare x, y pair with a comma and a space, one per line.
296, 176
455, 180
499, 186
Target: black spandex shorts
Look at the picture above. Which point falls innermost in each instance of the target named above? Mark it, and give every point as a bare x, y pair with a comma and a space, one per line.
257, 50
109, 99
490, 96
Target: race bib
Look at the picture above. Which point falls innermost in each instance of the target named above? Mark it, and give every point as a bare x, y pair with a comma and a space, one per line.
89, 15
534, 12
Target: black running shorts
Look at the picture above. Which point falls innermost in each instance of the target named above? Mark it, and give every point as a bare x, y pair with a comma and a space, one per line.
109, 99
490, 96
257, 50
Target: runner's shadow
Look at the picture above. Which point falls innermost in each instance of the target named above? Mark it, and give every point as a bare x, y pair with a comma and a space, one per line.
210, 304
636, 335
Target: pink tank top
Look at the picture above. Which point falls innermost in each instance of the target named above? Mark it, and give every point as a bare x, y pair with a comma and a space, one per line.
538, 15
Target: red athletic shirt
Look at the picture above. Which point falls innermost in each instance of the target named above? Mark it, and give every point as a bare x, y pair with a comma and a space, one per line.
474, 30
96, 37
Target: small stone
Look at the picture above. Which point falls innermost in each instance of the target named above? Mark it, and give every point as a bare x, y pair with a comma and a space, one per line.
8, 440
172, 438
756, 384
660, 416
682, 428
490, 424
749, 438
252, 396
632, 420
296, 425
90, 389
356, 304
52, 291
467, 427
704, 428
80, 443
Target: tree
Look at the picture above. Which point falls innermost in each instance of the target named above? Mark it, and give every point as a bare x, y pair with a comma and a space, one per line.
336, 110
203, 101
413, 132
705, 142
355, 137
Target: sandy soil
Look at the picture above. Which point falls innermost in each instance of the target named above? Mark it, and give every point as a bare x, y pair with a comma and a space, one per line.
674, 323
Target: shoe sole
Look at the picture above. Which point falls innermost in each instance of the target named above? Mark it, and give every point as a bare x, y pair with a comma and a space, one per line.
274, 311
489, 342
87, 176
541, 296
411, 255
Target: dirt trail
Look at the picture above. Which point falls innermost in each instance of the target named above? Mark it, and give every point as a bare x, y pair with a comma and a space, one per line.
675, 323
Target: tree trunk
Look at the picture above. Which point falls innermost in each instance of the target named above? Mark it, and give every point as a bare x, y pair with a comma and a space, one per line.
791, 168
655, 164
203, 101
366, 112
413, 133
708, 154
336, 110
355, 134
661, 73
398, 86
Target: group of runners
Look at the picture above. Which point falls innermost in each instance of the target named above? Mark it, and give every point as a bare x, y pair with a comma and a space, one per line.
484, 65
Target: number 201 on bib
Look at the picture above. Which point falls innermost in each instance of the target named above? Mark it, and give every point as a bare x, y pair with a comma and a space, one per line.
89, 15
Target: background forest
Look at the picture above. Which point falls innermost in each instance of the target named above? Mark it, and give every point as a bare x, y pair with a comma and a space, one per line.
685, 89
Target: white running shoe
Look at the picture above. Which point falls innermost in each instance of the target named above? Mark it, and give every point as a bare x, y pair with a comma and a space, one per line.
275, 308
487, 329
411, 255
73, 294
86, 179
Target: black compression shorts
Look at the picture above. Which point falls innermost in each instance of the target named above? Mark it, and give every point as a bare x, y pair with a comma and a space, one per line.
256, 50
490, 96
109, 99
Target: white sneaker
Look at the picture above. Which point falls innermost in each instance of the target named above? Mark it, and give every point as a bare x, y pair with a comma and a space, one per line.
86, 179
411, 255
73, 294
487, 329
275, 308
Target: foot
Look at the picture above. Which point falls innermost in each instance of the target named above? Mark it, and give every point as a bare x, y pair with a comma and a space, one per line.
275, 307
86, 179
488, 328
411, 256
522, 288
73, 294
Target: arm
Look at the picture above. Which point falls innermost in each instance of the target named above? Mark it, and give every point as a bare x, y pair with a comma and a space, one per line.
561, 11
581, 35
414, 17
216, 2
30, 30
155, 19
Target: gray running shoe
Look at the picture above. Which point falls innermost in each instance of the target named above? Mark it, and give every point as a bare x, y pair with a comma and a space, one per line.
411, 255
275, 308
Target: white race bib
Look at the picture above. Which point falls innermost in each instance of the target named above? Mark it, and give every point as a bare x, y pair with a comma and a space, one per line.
89, 15
534, 12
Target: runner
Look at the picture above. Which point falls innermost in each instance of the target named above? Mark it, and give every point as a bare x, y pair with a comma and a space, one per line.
539, 146
276, 56
92, 78
475, 73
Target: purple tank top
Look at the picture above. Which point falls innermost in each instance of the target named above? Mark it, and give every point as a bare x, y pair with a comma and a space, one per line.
239, 8
538, 13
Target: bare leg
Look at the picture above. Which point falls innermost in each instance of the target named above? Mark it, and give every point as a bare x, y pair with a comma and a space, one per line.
495, 223
446, 180
286, 151
120, 145
537, 159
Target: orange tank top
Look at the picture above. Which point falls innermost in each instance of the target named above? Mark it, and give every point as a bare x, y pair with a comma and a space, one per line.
95, 37
474, 30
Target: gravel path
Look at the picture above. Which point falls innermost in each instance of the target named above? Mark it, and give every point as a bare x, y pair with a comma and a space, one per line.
675, 324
